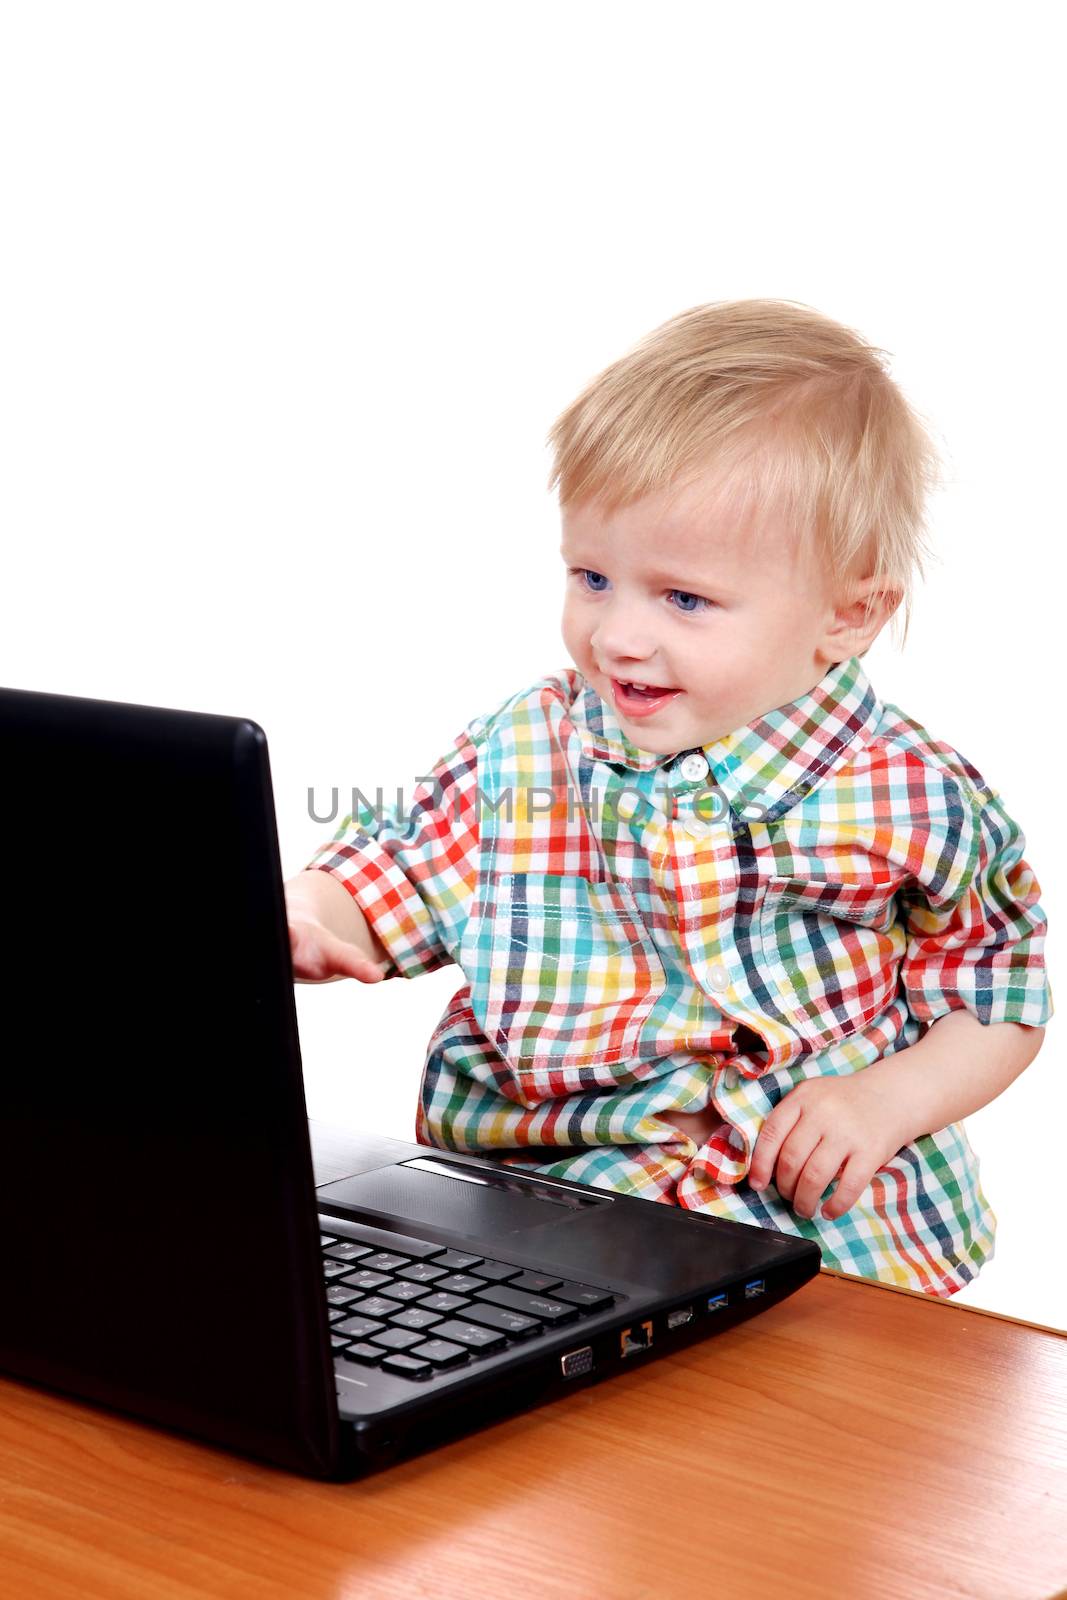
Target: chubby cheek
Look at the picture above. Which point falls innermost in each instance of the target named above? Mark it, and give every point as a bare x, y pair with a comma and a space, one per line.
575, 635
721, 675
737, 656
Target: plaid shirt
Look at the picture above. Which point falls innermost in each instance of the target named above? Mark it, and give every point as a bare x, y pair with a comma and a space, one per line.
644, 934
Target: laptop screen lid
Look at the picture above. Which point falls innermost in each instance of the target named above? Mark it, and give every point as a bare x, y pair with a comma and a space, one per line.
151, 1073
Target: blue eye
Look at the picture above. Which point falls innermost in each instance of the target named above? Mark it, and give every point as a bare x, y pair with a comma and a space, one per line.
683, 597
595, 581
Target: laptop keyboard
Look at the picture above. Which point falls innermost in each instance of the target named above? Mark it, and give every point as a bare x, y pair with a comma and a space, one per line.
414, 1308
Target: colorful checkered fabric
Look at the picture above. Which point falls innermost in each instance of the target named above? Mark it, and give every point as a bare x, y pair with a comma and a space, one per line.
647, 934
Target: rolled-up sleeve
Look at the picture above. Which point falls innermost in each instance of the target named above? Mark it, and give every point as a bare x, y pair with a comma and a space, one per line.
975, 926
413, 876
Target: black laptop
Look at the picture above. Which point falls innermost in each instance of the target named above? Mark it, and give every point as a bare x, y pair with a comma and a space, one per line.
164, 1249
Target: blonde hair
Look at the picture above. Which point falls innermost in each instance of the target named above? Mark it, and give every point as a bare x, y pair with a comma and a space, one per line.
799, 410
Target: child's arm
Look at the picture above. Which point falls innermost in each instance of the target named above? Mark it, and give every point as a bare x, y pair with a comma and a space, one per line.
329, 935
956, 1068
973, 971
852, 1126
389, 894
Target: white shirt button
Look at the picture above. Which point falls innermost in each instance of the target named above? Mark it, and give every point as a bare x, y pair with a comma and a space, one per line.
718, 977
693, 768
697, 827
626, 804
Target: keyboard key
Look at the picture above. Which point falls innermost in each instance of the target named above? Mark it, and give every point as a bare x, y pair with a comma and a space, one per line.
380, 1238
509, 1322
337, 1312
497, 1271
333, 1269
422, 1272
414, 1317
554, 1312
358, 1327
455, 1260
473, 1337
336, 1344
342, 1294
373, 1306
386, 1261
583, 1295
405, 1367
460, 1283
347, 1250
367, 1355
443, 1302
396, 1338
365, 1280
533, 1282
328, 1238
403, 1291
441, 1353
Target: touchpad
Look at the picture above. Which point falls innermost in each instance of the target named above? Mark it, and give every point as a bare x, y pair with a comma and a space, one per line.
462, 1200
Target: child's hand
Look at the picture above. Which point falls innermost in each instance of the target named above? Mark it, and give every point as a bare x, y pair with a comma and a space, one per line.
319, 956
822, 1128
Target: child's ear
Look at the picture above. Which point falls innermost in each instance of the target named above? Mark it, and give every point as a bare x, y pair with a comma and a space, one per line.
857, 616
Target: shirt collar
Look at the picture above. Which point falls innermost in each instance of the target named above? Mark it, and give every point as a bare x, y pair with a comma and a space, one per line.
766, 766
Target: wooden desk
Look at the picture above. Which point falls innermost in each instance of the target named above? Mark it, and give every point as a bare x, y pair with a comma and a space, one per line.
853, 1442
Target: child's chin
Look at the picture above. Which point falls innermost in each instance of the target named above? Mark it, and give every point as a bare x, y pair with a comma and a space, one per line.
658, 742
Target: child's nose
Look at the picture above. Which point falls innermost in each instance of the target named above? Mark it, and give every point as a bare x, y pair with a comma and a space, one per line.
622, 634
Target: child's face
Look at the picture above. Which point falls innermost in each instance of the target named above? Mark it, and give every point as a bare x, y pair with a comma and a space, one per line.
675, 592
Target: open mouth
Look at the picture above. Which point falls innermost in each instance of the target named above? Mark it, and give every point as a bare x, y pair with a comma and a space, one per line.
641, 699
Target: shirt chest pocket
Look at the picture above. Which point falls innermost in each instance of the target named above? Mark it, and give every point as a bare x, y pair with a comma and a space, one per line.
568, 978
830, 954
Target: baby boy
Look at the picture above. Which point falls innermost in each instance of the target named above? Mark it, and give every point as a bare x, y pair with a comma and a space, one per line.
737, 934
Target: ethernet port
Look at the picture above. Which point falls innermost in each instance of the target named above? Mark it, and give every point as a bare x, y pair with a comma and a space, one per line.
633, 1340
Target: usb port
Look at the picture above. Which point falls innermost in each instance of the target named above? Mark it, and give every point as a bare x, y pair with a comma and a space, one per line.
754, 1288
576, 1362
718, 1302
633, 1340
679, 1318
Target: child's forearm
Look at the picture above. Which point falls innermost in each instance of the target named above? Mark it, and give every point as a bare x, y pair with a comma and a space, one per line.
958, 1066
326, 898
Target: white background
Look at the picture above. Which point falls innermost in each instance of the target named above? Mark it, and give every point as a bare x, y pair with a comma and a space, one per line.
292, 294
